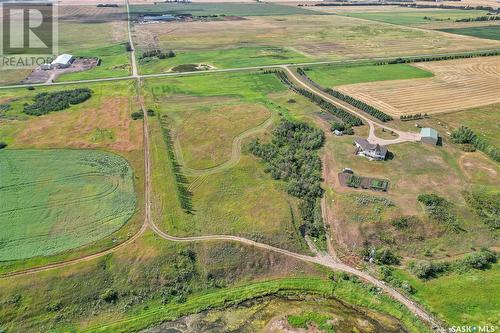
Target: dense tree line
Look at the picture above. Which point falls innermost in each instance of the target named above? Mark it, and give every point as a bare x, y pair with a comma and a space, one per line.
157, 54
439, 57
180, 180
464, 135
349, 99
346, 117
479, 19
360, 105
292, 156
56, 101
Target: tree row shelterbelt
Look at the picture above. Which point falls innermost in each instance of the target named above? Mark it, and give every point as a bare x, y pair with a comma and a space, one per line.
348, 118
56, 101
374, 112
292, 156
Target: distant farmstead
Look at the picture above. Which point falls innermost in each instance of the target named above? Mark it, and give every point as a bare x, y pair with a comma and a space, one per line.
371, 151
429, 136
62, 61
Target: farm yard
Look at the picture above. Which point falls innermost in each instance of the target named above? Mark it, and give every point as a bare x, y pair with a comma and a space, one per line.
57, 200
456, 85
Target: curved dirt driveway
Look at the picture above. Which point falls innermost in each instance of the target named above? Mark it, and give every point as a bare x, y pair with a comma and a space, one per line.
372, 138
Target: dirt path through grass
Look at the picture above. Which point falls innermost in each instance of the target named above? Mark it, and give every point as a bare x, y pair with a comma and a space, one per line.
235, 152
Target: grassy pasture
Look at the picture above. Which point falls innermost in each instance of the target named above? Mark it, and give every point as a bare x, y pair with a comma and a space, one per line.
415, 17
199, 121
249, 202
488, 32
461, 298
57, 200
226, 9
329, 75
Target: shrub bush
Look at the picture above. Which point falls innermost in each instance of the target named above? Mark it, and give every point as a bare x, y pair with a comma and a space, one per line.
137, 115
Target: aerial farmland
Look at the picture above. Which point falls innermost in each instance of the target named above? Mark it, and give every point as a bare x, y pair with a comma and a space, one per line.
251, 167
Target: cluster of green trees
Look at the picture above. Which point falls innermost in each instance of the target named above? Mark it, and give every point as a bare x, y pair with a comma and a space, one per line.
56, 101
344, 128
292, 156
4, 107
157, 54
381, 256
415, 116
479, 19
440, 210
464, 135
486, 205
477, 260
440, 57
360, 105
343, 115
181, 181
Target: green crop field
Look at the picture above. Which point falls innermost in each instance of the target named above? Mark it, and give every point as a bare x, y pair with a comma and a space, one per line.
57, 200
488, 32
225, 9
413, 17
329, 75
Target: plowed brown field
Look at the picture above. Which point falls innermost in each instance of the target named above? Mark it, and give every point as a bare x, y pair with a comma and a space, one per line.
457, 85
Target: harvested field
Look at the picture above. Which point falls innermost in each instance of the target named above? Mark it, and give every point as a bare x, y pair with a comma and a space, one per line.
261, 40
56, 200
457, 84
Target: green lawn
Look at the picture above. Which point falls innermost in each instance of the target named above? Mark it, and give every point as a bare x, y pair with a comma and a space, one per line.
226, 9
412, 17
56, 200
329, 76
115, 62
461, 299
226, 58
487, 32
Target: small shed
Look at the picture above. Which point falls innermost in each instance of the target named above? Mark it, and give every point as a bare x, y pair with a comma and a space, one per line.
429, 136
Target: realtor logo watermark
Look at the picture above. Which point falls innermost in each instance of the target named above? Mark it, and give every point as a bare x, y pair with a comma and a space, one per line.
28, 32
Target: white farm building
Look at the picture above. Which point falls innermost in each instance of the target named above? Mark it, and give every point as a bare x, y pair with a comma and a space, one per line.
62, 61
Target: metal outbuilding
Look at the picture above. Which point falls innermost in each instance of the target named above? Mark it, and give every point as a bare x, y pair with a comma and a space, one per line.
62, 61
429, 136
